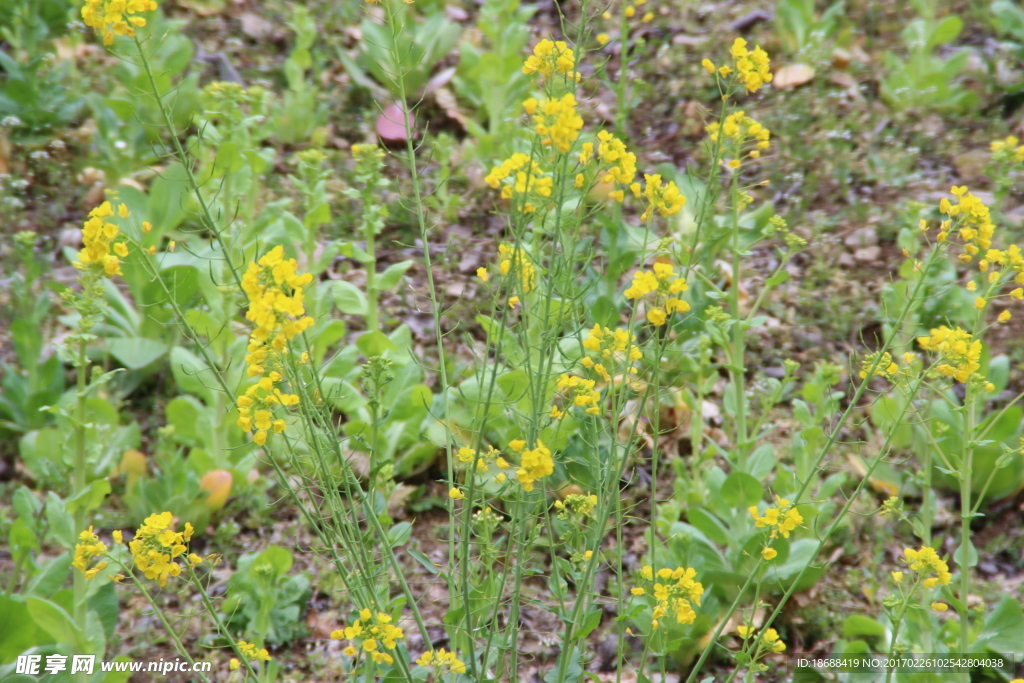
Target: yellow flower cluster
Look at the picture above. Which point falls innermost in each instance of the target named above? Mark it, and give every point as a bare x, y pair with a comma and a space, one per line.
620, 162
253, 653
769, 638
533, 464
88, 548
925, 560
157, 544
98, 235
677, 595
440, 660
1009, 149
370, 632
555, 121
275, 292
551, 58
961, 354
973, 222
752, 70
613, 346
114, 17
741, 129
781, 519
665, 284
580, 393
483, 460
514, 260
665, 199
526, 177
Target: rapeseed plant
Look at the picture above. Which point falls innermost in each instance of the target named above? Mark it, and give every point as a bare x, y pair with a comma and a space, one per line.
575, 396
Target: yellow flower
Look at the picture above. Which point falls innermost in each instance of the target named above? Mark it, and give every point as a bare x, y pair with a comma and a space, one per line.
118, 536
483, 274
897, 577
551, 58
456, 494
513, 302
961, 355
89, 547
114, 17
603, 38
253, 653
940, 606
926, 561
234, 664
156, 546
555, 121
656, 316
1004, 316
769, 553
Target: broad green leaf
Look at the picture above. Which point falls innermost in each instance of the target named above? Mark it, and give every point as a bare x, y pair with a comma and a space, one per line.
741, 490
348, 298
136, 353
390, 277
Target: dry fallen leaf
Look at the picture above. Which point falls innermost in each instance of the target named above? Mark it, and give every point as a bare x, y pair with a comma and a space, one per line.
792, 76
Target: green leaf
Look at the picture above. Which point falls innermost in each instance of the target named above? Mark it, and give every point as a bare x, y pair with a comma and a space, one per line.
709, 524
741, 490
18, 630
317, 216
136, 353
858, 625
423, 560
229, 158
1004, 627
192, 374
52, 618
88, 498
390, 277
591, 620
62, 525
348, 298
399, 534
375, 344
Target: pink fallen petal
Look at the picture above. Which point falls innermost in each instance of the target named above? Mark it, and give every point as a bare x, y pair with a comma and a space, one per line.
389, 124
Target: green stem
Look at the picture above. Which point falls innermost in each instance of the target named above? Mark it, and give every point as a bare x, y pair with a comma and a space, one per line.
965, 524
736, 369
78, 482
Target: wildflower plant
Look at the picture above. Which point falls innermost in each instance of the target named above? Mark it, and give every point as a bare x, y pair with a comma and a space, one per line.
584, 332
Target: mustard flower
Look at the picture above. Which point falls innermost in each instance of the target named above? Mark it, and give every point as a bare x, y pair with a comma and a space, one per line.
782, 519
115, 17
555, 121
926, 561
663, 282
368, 634
89, 547
525, 178
156, 546
675, 592
665, 199
534, 464
252, 653
960, 353
100, 252
516, 262
551, 58
276, 296
441, 661
580, 393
